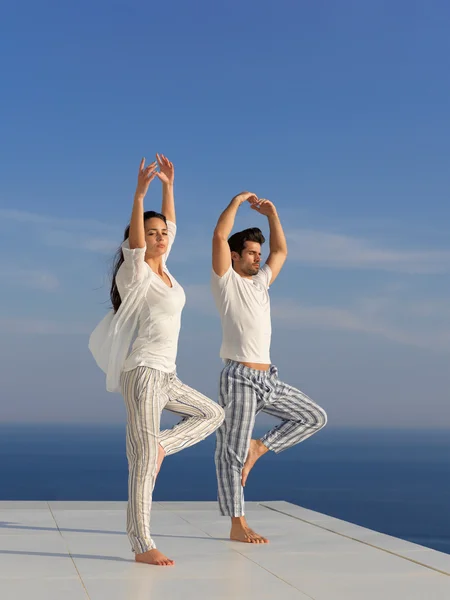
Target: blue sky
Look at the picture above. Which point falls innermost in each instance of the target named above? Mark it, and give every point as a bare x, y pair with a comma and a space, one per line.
338, 112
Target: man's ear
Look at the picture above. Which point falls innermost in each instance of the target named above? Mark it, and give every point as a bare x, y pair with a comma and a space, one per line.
235, 256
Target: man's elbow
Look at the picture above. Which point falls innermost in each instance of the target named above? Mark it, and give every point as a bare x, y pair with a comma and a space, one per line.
281, 252
218, 235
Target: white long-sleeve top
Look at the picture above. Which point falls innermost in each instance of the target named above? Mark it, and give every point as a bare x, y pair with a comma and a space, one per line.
150, 312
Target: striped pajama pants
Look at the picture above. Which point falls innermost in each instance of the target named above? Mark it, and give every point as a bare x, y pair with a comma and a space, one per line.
147, 392
245, 392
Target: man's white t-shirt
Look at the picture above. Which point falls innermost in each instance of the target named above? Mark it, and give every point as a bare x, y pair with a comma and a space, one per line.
244, 308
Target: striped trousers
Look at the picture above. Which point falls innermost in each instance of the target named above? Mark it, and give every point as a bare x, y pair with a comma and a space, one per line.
245, 392
147, 392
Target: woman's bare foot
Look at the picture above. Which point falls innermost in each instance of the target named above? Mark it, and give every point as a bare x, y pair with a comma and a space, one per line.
255, 451
241, 532
161, 455
154, 557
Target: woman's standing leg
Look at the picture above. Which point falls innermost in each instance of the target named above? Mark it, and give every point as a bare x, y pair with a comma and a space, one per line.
147, 392
144, 394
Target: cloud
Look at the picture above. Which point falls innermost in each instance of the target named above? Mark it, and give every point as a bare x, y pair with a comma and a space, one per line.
80, 241
314, 247
199, 298
22, 216
31, 278
324, 249
392, 315
79, 234
29, 326
292, 315
392, 318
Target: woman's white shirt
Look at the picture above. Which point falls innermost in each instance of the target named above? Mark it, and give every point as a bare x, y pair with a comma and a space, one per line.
150, 314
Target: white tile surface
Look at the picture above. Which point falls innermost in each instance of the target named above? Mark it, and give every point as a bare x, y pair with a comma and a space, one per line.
202, 506
23, 504
310, 556
430, 558
29, 557
26, 521
164, 585
86, 505
49, 588
94, 521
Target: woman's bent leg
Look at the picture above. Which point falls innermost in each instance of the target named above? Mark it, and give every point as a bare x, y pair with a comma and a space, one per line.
201, 415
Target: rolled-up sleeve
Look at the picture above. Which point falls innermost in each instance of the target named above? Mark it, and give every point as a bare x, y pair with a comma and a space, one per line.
133, 269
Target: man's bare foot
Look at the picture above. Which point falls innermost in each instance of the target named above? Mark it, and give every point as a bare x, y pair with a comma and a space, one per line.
161, 455
154, 557
255, 451
241, 532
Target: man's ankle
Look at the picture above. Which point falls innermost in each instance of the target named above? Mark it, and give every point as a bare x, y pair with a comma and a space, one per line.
262, 448
238, 520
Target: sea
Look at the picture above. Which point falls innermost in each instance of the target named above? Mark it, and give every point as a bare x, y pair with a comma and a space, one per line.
393, 481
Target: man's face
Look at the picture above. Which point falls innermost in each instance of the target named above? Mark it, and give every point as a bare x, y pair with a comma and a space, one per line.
249, 261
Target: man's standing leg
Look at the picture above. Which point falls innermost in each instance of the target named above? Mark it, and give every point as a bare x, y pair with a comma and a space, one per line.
238, 397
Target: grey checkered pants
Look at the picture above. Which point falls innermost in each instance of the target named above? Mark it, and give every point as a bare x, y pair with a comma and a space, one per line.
245, 392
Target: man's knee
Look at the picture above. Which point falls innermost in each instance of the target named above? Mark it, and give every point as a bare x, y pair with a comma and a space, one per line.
318, 418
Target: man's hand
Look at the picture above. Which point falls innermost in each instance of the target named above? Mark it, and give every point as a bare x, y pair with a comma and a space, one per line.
166, 169
264, 207
246, 196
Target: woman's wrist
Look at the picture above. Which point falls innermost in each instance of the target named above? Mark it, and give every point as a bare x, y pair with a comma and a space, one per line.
139, 196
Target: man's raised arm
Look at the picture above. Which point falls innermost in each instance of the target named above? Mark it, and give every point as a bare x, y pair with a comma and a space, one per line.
278, 245
221, 255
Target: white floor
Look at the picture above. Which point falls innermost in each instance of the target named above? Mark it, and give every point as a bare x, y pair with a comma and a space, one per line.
79, 551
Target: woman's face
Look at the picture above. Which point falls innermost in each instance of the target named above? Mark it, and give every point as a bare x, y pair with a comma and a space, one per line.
156, 237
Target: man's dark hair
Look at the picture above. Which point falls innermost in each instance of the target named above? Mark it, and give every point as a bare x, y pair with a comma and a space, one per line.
238, 239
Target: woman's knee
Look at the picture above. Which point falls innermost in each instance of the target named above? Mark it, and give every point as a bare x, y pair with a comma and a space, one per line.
213, 413
322, 418
219, 415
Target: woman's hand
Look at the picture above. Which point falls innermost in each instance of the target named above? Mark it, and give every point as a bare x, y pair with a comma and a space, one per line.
145, 177
166, 169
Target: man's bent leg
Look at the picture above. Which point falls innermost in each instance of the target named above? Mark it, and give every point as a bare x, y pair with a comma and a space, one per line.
255, 451
301, 417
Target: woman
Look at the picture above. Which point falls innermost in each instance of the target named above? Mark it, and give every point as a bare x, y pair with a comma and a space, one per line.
148, 300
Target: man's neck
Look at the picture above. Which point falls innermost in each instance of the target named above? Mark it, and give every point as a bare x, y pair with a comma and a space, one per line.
243, 275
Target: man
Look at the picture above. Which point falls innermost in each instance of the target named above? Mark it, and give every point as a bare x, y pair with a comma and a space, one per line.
249, 382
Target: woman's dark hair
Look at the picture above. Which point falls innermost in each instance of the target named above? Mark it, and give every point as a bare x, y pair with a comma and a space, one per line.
114, 295
238, 239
